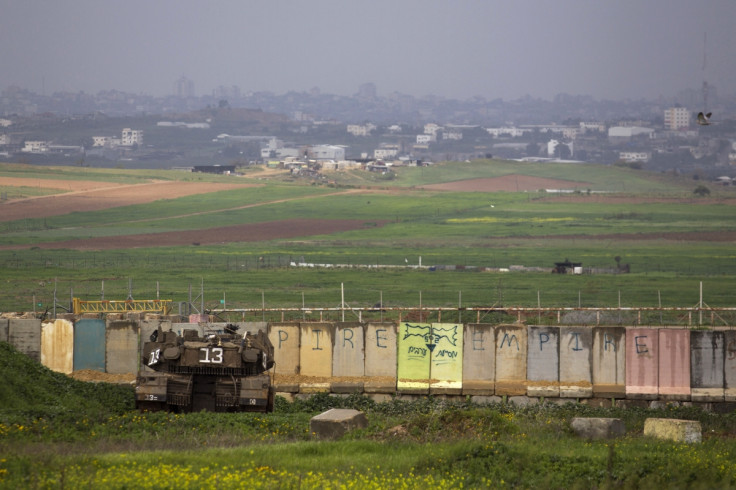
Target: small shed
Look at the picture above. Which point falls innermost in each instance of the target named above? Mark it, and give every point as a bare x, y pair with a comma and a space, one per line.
564, 267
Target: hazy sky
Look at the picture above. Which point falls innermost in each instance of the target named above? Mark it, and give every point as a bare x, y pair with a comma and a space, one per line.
610, 49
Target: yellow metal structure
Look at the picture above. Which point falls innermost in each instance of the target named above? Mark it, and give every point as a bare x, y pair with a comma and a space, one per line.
162, 306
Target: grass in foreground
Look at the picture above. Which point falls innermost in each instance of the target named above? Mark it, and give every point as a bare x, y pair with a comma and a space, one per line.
51, 441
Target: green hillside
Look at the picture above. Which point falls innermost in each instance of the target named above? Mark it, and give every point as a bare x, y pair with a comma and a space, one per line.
30, 391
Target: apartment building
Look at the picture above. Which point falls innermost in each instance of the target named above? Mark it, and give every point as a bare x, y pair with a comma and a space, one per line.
676, 118
131, 137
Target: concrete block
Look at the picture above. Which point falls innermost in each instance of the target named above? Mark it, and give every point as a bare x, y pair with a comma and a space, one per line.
674, 364
485, 400
446, 358
286, 387
380, 350
598, 402
315, 351
336, 422
511, 352
414, 356
348, 355
642, 363
479, 359
729, 370
708, 365
543, 361
57, 346
346, 387
677, 430
311, 388
289, 397
286, 346
379, 397
609, 362
598, 427
380, 385
522, 401
576, 362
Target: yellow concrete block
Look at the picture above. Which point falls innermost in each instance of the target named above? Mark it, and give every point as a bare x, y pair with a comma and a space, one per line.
673, 429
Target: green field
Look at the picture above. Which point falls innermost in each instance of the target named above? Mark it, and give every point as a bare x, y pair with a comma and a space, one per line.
57, 432
671, 240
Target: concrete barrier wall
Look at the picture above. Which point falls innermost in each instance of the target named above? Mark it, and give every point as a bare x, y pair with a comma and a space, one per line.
729, 367
425, 358
315, 352
543, 362
446, 359
609, 362
511, 352
413, 358
121, 347
708, 350
642, 363
674, 364
25, 336
348, 359
4, 329
89, 345
479, 359
57, 346
285, 340
381, 340
576, 362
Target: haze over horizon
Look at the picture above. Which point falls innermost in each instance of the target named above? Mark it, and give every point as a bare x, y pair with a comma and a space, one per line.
629, 49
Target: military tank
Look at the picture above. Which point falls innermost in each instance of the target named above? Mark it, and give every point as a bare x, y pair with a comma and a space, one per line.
217, 372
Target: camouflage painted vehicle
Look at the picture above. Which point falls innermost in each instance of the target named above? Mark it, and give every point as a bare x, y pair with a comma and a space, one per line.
219, 372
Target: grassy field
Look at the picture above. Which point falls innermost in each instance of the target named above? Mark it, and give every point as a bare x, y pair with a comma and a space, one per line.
57, 432
671, 240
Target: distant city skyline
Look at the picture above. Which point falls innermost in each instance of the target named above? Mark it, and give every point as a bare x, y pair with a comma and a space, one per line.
618, 50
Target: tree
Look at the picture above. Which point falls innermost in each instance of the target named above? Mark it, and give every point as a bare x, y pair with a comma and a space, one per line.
701, 191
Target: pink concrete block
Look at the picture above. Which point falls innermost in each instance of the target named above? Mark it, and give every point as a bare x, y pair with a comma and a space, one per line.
642, 362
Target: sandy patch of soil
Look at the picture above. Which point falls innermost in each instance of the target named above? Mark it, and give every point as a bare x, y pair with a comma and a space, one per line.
97, 376
510, 183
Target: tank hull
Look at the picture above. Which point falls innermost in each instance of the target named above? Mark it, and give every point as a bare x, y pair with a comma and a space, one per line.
217, 372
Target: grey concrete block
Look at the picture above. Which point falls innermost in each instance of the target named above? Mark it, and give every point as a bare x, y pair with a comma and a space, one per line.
336, 422
598, 427
346, 387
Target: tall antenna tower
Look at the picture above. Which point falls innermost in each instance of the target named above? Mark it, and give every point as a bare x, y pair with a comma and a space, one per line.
705, 89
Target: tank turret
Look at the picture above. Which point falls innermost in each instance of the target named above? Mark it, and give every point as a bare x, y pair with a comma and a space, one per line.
218, 371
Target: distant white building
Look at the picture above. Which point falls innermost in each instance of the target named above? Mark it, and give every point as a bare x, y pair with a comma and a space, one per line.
452, 135
634, 156
131, 137
4, 139
676, 118
514, 132
431, 128
587, 127
5, 122
629, 131
385, 153
35, 147
425, 139
327, 152
361, 129
101, 141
